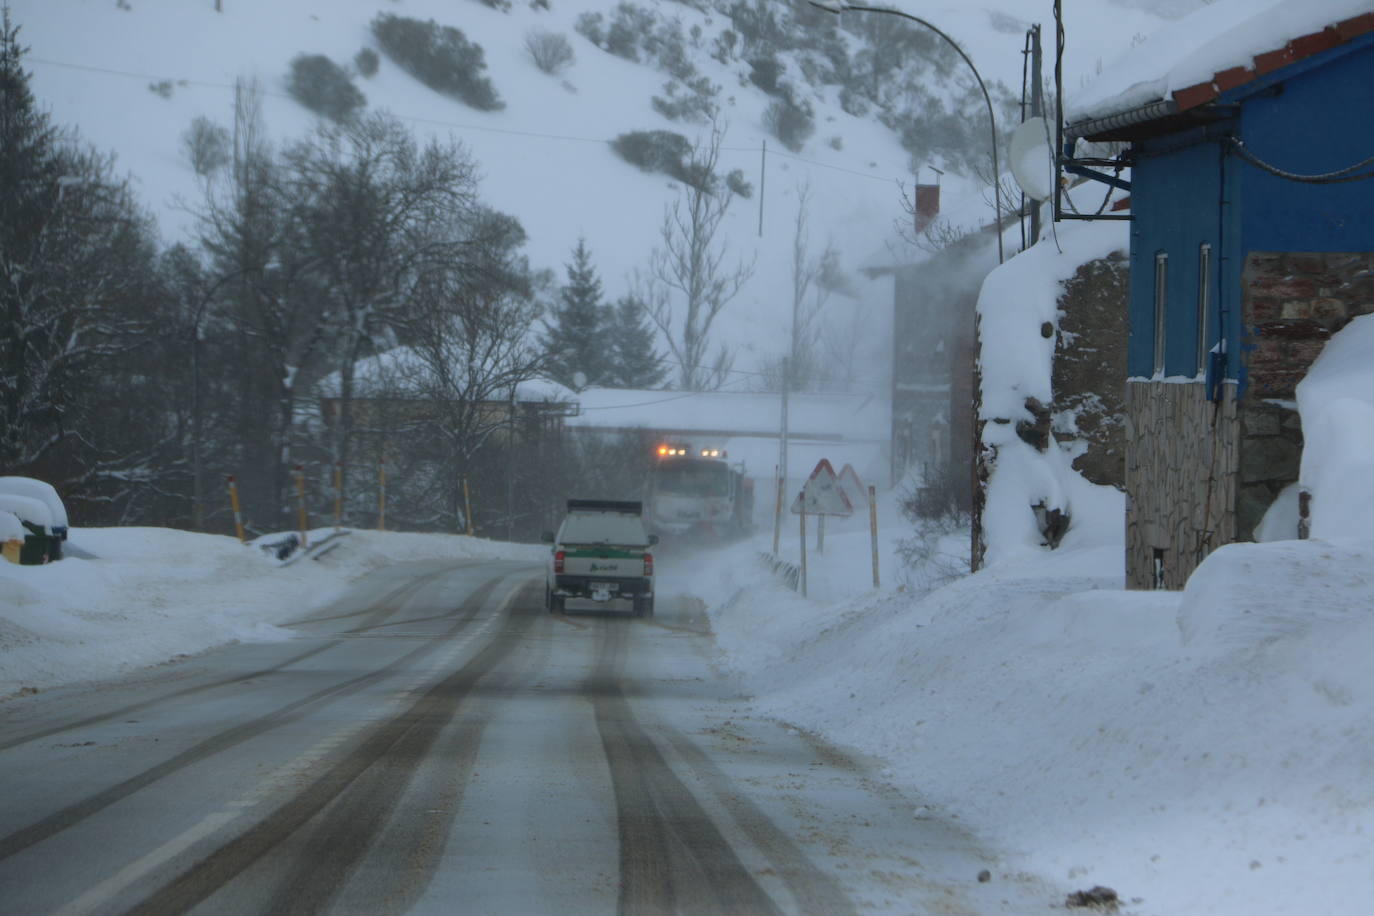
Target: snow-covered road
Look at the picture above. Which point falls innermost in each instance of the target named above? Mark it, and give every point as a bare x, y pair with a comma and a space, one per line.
433, 741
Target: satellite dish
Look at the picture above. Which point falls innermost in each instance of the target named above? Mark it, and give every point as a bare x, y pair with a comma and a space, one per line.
579, 380
1032, 165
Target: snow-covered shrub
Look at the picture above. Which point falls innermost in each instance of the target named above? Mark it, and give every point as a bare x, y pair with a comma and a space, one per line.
697, 103
366, 60
550, 51
323, 86
439, 56
628, 23
206, 145
790, 122
724, 48
766, 73
655, 151
589, 26
735, 181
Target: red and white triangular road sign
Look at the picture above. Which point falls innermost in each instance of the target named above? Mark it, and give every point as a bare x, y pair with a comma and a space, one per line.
823, 494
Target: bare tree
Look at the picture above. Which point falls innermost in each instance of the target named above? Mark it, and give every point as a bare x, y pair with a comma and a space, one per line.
265, 297
469, 326
366, 205
688, 284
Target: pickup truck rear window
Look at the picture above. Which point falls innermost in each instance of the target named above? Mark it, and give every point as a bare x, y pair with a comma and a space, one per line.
595, 528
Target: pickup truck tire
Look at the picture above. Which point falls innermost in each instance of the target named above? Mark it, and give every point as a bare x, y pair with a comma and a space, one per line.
644, 607
553, 602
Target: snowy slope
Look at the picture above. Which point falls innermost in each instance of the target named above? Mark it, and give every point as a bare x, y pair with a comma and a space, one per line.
545, 157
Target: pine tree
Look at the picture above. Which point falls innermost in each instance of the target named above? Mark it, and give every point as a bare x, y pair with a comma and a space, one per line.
576, 340
637, 363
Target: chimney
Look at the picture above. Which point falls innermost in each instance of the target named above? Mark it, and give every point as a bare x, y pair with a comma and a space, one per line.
927, 205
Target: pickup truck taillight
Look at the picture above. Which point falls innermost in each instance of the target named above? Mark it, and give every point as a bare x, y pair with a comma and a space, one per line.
648, 564
558, 561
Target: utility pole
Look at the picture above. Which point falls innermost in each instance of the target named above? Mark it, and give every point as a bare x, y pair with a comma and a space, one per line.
1037, 110
763, 171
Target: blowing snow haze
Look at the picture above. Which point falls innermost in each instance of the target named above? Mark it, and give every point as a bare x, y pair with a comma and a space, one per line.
848, 106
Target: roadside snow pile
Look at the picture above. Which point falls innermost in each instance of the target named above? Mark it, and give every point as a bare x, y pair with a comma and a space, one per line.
1015, 363
1336, 401
1069, 724
154, 593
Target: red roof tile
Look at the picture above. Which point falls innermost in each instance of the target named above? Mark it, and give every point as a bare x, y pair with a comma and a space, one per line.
1195, 95
1227, 80
1351, 28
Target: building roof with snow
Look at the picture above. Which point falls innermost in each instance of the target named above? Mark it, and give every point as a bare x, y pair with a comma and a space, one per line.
1169, 79
391, 372
842, 428
820, 417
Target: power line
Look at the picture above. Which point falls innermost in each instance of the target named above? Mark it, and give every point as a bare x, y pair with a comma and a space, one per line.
436, 122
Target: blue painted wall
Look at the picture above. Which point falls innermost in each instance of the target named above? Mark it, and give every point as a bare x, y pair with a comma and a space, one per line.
1316, 115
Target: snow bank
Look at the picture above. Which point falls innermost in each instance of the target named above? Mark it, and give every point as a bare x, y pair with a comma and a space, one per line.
154, 593
1336, 401
1016, 363
1067, 722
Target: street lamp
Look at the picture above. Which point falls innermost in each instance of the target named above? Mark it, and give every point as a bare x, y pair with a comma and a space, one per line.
840, 6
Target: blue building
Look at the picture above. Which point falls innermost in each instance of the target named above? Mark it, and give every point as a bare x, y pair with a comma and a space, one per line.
1252, 196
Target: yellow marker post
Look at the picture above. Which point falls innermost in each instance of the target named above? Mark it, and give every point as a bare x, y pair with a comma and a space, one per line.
381, 494
873, 526
467, 505
234, 503
777, 515
338, 496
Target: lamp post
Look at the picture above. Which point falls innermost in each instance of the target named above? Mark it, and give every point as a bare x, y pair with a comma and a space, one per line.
841, 6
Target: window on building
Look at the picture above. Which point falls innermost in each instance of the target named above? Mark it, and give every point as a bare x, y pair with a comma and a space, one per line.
1161, 300
1204, 305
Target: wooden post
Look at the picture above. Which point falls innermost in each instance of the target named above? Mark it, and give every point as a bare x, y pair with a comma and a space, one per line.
803, 547
338, 496
381, 494
820, 535
777, 516
467, 505
234, 503
300, 505
873, 528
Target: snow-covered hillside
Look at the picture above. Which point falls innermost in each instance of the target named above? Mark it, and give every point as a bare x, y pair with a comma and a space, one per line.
545, 157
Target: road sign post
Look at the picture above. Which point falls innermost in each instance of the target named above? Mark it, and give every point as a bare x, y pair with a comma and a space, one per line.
821, 496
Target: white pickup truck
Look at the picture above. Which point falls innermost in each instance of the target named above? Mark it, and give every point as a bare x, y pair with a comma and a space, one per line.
601, 554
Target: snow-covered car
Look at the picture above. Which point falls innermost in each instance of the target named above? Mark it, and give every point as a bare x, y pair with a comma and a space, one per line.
601, 554
45, 493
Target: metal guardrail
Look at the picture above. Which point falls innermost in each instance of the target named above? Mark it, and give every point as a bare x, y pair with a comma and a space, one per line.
787, 573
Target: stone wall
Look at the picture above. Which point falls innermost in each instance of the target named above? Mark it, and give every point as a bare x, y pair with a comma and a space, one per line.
1089, 364
1270, 459
1293, 303
1181, 479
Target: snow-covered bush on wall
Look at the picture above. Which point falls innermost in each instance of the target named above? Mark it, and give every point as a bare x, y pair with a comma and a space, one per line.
324, 87
1032, 492
439, 56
